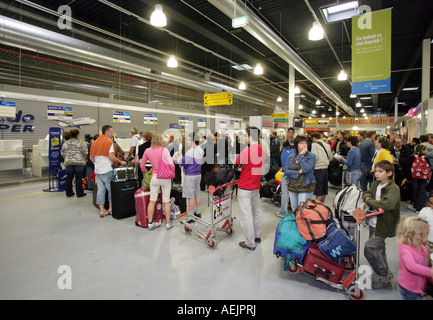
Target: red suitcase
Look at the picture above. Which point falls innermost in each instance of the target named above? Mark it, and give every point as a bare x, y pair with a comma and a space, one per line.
316, 263
142, 198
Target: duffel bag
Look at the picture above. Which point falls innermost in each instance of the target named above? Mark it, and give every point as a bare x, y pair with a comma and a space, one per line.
337, 243
312, 218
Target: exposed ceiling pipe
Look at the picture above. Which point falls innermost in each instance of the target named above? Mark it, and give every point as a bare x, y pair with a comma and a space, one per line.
264, 34
29, 37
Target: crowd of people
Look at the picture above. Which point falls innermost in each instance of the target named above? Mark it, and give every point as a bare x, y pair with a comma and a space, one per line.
386, 169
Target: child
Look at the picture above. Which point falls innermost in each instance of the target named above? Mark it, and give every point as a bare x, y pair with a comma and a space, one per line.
419, 177
427, 214
384, 194
412, 234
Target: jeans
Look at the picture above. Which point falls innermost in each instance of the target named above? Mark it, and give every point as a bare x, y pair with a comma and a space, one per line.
408, 295
89, 171
77, 172
284, 197
104, 184
354, 177
419, 194
251, 215
363, 178
297, 198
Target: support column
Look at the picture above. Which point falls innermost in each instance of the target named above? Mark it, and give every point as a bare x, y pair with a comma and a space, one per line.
395, 112
291, 95
425, 89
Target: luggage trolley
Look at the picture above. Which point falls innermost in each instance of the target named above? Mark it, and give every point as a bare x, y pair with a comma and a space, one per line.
221, 211
331, 273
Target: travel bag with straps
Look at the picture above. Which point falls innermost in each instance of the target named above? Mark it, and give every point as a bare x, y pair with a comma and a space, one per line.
312, 218
346, 201
420, 168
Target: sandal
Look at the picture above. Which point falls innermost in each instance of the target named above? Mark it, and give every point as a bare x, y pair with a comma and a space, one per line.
103, 214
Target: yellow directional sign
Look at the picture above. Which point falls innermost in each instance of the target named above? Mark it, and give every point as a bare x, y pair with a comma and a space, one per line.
280, 115
217, 99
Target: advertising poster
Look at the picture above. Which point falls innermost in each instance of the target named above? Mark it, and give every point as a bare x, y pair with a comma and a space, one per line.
371, 52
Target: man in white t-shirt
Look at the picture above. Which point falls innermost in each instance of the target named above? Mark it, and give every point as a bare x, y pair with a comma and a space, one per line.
102, 155
134, 143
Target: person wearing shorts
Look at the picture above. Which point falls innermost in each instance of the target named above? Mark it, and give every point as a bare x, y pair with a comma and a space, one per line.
155, 154
323, 155
192, 162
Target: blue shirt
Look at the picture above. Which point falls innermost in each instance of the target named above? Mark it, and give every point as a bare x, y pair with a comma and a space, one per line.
353, 159
367, 150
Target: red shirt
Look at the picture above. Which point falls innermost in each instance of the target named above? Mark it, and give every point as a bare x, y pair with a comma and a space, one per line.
251, 159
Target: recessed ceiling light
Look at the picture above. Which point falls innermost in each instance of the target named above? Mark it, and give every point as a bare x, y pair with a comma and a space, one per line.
410, 89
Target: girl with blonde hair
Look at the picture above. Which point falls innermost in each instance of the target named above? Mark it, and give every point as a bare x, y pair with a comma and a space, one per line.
412, 234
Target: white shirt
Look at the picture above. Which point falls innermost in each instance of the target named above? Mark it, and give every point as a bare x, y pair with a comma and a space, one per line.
373, 220
427, 214
135, 139
103, 164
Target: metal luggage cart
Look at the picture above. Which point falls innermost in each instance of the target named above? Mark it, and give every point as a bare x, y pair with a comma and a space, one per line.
221, 212
350, 284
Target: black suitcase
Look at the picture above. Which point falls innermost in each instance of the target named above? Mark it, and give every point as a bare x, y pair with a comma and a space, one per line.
122, 196
176, 193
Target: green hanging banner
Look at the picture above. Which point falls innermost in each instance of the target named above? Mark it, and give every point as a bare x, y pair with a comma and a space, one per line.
371, 52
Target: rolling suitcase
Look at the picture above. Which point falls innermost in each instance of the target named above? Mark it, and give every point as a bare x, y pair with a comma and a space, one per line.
176, 193
122, 196
316, 263
95, 193
142, 198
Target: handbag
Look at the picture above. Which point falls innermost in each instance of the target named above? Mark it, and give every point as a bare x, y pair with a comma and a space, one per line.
146, 179
164, 171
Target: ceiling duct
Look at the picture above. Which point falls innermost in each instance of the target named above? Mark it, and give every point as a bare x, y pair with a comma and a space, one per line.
265, 35
25, 36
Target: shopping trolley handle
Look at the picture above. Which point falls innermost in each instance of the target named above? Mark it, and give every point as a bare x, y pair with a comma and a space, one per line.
212, 189
360, 215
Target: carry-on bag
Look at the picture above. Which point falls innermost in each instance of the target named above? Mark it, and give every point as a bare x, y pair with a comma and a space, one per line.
122, 195
312, 218
123, 174
346, 201
179, 200
141, 200
337, 243
316, 263
288, 240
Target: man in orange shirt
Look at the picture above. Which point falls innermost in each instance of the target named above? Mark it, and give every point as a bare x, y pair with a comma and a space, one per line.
102, 155
250, 162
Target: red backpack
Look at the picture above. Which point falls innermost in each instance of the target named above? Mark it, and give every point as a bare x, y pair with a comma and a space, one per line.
420, 168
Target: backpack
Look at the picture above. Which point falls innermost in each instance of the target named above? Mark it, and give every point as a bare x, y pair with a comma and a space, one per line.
312, 218
347, 200
285, 153
420, 168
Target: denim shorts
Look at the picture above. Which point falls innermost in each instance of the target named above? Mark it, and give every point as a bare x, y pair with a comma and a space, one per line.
103, 182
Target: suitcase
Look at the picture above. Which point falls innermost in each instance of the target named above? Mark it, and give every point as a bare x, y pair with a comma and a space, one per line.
123, 174
142, 198
95, 193
176, 193
122, 197
316, 263
288, 243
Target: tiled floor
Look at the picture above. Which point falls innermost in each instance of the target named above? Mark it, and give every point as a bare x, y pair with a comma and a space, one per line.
113, 259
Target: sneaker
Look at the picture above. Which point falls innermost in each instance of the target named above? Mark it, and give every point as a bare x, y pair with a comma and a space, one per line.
278, 214
154, 225
378, 282
198, 215
257, 240
191, 218
169, 226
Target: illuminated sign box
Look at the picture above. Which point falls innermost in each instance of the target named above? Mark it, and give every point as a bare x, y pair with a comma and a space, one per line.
239, 22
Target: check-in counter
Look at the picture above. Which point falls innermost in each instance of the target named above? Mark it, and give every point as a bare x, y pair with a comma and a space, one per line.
40, 160
11, 155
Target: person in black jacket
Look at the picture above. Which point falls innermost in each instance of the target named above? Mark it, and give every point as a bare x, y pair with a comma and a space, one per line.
275, 150
399, 151
340, 147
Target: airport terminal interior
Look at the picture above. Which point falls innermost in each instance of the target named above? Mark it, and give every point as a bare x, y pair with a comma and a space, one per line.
180, 66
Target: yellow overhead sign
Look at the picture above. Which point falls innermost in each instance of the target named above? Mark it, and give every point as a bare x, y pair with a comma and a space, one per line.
217, 99
280, 115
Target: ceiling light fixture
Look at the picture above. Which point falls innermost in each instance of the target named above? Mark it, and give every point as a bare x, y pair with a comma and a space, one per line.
316, 32
297, 90
358, 105
258, 69
318, 103
158, 18
342, 76
242, 86
172, 62
301, 107
279, 99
